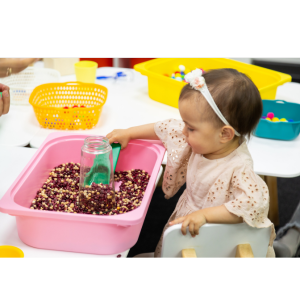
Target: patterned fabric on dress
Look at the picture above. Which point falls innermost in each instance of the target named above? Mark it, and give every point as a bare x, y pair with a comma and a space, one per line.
229, 180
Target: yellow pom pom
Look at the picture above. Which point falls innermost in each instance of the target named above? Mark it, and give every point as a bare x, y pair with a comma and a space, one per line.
283, 120
275, 119
268, 119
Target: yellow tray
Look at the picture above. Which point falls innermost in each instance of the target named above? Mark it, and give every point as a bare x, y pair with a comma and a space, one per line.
166, 90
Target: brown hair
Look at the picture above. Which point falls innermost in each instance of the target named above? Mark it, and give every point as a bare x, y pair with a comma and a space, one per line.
236, 96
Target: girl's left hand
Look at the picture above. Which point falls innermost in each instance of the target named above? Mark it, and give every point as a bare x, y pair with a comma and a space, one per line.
194, 220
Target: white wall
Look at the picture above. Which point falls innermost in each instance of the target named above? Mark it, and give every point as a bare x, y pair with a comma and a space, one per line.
280, 60
244, 60
123, 62
283, 60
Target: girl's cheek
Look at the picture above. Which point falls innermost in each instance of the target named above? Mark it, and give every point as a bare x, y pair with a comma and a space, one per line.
196, 144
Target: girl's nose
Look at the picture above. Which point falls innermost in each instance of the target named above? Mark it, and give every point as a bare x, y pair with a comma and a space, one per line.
184, 131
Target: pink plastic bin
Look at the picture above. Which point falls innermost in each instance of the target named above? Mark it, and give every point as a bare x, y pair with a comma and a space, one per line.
93, 234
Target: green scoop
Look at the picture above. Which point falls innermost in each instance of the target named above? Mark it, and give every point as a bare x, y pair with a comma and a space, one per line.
101, 169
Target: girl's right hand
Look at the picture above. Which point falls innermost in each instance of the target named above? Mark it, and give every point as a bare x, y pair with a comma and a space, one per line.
121, 136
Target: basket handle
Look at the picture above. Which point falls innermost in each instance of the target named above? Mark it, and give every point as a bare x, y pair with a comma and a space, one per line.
73, 83
280, 101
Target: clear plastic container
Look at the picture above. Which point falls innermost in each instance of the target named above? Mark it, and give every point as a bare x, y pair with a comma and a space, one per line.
96, 187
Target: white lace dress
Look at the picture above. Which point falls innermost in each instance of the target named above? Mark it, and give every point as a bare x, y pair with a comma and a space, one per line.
230, 181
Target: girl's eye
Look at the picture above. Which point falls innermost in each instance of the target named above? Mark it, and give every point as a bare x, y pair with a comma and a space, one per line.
190, 129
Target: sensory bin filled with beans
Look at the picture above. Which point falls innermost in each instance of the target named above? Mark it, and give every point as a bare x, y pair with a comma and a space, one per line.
60, 192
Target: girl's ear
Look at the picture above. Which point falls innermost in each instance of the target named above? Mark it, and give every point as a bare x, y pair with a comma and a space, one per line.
227, 134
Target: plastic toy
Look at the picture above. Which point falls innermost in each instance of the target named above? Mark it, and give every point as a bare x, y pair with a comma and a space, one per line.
182, 68
74, 106
10, 251
283, 120
179, 75
270, 117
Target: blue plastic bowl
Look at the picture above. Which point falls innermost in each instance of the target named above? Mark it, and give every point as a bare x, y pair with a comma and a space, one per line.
279, 130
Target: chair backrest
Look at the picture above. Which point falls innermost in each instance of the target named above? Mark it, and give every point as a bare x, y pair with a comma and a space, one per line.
216, 240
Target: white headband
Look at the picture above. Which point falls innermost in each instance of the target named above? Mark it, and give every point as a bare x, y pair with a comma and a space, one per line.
197, 81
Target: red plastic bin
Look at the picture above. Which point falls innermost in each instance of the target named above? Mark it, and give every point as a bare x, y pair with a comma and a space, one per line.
102, 62
134, 61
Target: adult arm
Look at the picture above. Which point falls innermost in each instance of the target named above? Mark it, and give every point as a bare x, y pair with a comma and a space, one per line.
15, 64
4, 99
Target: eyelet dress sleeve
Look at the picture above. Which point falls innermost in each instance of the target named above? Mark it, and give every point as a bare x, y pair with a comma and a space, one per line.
250, 199
179, 152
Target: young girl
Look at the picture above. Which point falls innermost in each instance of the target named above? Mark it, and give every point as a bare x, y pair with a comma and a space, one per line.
208, 151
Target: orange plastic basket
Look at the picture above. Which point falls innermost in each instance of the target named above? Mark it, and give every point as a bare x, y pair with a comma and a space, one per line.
48, 101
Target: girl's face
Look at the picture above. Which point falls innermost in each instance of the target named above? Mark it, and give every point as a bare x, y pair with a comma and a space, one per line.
203, 137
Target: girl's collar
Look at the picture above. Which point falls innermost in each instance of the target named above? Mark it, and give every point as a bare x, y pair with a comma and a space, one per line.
229, 156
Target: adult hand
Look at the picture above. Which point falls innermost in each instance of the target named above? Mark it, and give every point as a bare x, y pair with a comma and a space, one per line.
4, 99
16, 65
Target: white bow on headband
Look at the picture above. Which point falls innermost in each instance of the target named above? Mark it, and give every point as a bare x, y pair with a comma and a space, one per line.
197, 81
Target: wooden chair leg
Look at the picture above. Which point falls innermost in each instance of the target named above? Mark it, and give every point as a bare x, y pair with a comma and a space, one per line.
244, 250
273, 209
188, 253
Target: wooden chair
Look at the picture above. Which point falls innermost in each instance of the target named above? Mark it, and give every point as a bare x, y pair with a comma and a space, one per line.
217, 240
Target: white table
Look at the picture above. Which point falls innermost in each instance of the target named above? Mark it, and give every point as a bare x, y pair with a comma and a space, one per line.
275, 158
18, 127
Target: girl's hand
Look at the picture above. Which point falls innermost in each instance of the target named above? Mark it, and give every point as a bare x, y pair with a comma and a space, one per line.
217, 214
194, 220
4, 100
122, 136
